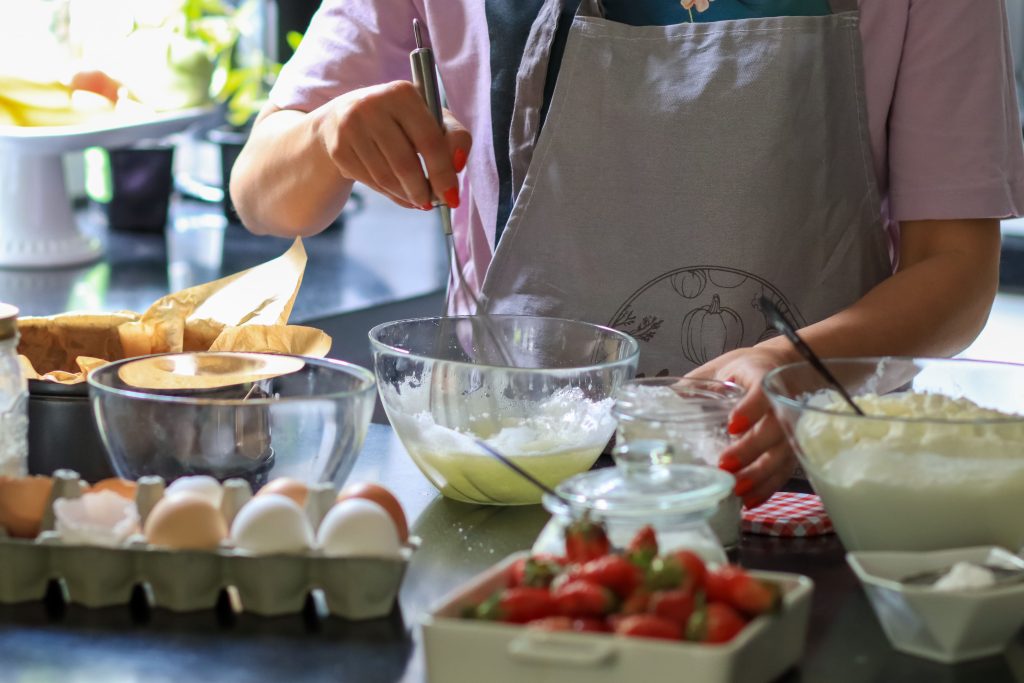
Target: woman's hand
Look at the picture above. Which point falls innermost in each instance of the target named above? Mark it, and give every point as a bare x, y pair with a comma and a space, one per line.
760, 458
376, 136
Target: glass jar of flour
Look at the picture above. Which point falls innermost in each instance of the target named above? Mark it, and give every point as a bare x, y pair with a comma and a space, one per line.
13, 399
691, 417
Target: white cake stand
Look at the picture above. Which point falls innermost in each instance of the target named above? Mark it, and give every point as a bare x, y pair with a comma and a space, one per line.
37, 226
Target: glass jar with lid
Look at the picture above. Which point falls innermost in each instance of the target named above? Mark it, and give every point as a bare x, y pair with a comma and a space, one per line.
645, 487
691, 416
13, 399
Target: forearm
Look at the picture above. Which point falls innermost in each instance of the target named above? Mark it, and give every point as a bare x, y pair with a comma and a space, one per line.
284, 182
935, 305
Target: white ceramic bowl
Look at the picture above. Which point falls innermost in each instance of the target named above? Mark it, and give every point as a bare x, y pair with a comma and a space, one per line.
945, 626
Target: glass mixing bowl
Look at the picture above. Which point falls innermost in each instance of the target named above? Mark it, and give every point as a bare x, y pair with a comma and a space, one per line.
443, 387
937, 462
254, 416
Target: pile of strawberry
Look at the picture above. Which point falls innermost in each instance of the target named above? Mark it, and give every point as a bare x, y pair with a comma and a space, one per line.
636, 592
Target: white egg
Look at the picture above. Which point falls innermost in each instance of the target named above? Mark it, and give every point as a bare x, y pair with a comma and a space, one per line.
271, 523
201, 485
357, 527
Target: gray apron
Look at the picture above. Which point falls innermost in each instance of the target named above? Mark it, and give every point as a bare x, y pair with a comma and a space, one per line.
684, 171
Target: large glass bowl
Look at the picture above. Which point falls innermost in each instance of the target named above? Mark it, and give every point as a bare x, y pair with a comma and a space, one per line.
308, 423
951, 476
444, 386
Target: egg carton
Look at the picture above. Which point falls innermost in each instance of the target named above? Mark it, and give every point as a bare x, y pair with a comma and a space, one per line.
188, 580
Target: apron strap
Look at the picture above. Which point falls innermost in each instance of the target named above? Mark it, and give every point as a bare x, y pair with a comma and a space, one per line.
839, 6
530, 81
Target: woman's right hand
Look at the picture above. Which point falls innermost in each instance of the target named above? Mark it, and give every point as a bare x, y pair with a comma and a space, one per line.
374, 135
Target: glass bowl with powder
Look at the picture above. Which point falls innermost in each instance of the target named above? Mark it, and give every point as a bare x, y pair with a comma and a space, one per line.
936, 462
444, 386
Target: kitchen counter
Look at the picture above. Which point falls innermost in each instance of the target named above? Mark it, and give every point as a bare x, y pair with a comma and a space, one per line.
117, 645
383, 254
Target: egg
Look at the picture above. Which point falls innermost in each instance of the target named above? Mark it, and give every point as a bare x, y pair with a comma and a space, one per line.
101, 518
291, 488
357, 527
122, 487
201, 485
185, 521
271, 523
22, 504
381, 496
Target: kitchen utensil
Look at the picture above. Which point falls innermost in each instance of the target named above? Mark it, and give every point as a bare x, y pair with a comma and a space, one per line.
551, 414
691, 416
644, 488
778, 321
945, 626
929, 470
424, 77
307, 424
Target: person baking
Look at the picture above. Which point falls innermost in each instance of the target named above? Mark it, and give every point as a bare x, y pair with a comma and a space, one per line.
658, 166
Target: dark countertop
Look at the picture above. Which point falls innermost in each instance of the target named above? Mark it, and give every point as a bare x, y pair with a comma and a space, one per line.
845, 642
382, 254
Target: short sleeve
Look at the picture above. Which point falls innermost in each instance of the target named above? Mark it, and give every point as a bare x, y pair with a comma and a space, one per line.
955, 144
349, 44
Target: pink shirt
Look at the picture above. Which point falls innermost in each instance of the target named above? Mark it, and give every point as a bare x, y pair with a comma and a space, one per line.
941, 101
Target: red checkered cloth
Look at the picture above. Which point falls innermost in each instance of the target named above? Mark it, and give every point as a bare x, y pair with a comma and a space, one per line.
788, 514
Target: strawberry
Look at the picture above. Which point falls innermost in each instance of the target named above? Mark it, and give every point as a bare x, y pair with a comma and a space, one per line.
536, 572
648, 626
682, 569
589, 626
636, 603
583, 599
752, 597
717, 583
644, 547
614, 572
716, 623
675, 605
518, 605
585, 541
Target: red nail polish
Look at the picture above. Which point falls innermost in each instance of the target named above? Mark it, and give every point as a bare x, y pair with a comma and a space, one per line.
743, 487
459, 158
751, 503
738, 424
427, 207
451, 197
730, 463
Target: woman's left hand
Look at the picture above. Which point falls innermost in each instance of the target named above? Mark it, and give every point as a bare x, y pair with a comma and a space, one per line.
761, 458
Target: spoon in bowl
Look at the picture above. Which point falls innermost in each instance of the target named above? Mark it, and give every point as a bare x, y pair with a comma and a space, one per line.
779, 321
493, 452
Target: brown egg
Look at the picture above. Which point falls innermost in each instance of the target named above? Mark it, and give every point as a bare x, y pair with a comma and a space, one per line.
122, 487
185, 521
23, 503
290, 488
381, 496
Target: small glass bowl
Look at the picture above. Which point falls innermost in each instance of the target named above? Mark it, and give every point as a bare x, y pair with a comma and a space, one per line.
308, 423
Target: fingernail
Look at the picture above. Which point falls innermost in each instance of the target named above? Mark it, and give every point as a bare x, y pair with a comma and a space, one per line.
730, 463
427, 207
451, 197
459, 158
751, 503
738, 424
743, 487
731, 379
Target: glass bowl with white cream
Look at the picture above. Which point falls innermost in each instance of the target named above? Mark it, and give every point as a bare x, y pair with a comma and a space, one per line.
446, 384
935, 462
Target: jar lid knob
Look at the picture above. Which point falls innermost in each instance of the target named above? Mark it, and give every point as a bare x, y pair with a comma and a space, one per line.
645, 459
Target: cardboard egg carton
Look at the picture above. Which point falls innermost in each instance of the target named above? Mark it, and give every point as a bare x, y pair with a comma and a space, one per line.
187, 580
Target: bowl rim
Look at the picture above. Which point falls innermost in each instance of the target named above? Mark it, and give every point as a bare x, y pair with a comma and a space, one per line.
775, 397
369, 382
630, 358
854, 558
